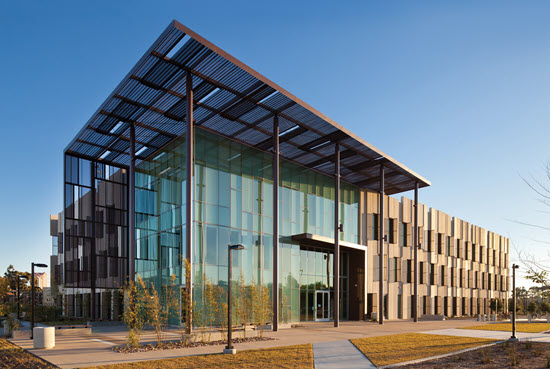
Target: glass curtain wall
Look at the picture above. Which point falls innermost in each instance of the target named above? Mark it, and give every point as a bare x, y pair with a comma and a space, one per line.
232, 205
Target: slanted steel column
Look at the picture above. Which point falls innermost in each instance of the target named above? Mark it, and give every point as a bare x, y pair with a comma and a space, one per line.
132, 207
337, 228
189, 169
275, 223
416, 246
381, 239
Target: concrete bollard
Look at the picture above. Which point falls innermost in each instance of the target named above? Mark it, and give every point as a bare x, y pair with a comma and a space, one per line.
494, 317
529, 317
548, 319
43, 337
479, 317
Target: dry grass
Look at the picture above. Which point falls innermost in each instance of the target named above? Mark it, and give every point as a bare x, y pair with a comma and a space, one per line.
292, 357
398, 348
507, 327
12, 356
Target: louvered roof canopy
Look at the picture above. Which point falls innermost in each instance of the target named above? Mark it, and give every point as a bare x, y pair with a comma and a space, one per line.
230, 99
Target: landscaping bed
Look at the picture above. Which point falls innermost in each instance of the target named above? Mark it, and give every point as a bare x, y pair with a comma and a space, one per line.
502, 355
287, 357
398, 348
12, 356
169, 345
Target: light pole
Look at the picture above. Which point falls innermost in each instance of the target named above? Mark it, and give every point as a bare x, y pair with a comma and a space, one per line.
229, 349
38, 265
513, 338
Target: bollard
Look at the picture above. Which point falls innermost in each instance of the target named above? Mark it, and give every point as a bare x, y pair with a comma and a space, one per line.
43, 337
529, 317
548, 319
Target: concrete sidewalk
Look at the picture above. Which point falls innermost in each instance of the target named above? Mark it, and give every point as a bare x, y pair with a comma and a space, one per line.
496, 335
339, 355
95, 349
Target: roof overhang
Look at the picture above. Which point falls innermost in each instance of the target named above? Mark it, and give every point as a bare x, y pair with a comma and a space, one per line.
317, 240
230, 99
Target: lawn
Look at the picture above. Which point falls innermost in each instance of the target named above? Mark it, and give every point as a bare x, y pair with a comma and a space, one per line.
291, 357
12, 356
398, 348
507, 327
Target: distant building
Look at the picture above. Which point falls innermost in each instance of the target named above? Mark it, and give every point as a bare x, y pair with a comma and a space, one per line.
42, 280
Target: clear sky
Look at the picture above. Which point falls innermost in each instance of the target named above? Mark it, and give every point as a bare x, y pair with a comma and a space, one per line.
458, 91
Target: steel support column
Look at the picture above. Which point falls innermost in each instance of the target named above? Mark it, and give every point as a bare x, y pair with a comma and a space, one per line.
337, 228
381, 238
189, 169
275, 223
93, 258
132, 206
416, 246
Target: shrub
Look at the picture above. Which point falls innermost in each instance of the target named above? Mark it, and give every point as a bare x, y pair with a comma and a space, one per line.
513, 355
485, 355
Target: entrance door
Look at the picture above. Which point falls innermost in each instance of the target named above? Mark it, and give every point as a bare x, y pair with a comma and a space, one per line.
322, 306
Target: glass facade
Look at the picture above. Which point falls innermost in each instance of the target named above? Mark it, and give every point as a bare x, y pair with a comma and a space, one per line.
233, 204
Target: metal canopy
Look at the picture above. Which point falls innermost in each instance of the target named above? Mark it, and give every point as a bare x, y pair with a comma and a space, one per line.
230, 99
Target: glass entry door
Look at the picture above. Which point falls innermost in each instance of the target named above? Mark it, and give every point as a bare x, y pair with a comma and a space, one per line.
322, 306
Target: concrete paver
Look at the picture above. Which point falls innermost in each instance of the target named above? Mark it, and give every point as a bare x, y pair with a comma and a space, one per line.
339, 355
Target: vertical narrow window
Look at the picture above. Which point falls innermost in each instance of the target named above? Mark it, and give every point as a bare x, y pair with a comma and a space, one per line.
375, 226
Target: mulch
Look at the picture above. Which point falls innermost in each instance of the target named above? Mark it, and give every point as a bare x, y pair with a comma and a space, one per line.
504, 355
170, 345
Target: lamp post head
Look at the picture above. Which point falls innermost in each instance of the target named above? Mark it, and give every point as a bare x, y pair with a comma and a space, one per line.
38, 265
515, 266
236, 247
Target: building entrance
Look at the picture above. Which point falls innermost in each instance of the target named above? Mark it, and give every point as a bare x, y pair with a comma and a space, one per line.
322, 306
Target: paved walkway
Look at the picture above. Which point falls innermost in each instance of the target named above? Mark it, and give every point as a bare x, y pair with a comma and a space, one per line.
496, 335
339, 355
95, 349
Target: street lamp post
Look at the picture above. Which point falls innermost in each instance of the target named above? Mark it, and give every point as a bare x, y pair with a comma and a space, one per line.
513, 338
38, 265
229, 349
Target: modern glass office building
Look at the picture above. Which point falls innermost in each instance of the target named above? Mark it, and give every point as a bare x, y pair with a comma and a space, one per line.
195, 151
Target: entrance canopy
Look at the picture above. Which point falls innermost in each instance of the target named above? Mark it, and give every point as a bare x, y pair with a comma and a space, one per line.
230, 99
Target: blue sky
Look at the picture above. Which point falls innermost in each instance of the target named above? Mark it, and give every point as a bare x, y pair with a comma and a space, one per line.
457, 91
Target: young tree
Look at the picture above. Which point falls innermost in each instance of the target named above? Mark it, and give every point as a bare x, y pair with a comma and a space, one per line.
242, 304
210, 300
187, 305
161, 306
134, 314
